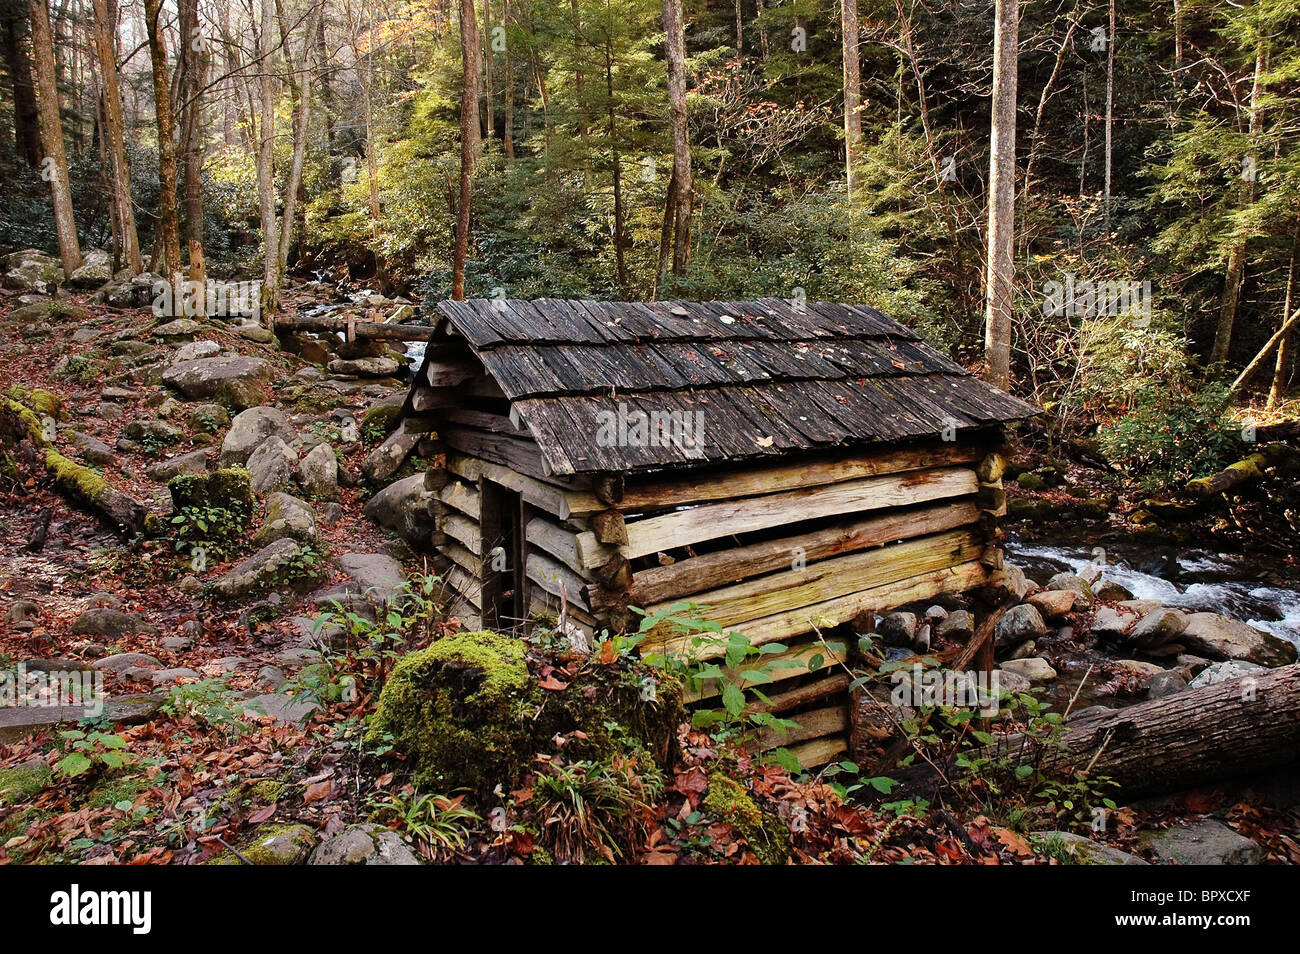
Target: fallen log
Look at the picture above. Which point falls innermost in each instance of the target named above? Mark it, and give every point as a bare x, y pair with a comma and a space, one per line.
1176, 742
359, 329
1245, 471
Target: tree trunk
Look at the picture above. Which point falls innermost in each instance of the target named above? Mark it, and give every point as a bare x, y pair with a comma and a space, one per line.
301, 123
190, 83
469, 144
54, 167
1110, 104
1002, 197
1282, 369
115, 137
266, 165
680, 196
489, 111
1233, 277
508, 137
852, 93
167, 242
326, 91
1173, 743
27, 130
620, 263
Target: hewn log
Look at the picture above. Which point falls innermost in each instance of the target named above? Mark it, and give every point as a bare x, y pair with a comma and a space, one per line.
516, 454
360, 329
462, 497
556, 541
556, 579
463, 529
705, 485
802, 695
542, 495
693, 575
815, 724
710, 521
609, 528
793, 662
840, 576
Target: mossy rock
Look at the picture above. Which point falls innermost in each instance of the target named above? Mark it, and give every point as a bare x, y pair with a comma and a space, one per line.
53, 310
24, 781
380, 420
467, 712
272, 845
1031, 482
728, 801
38, 400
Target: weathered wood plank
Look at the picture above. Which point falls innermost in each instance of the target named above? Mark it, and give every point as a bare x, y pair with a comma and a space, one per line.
510, 452
541, 495
462, 497
813, 724
839, 576
463, 529
789, 623
463, 558
820, 751
681, 579
466, 586
710, 521
556, 579
558, 542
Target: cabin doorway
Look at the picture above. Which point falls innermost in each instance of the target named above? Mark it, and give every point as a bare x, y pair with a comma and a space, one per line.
502, 535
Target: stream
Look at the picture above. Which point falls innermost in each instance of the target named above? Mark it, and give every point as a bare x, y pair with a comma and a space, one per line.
1191, 580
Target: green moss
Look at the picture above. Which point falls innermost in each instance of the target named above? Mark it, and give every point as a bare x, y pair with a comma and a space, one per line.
268, 790
1031, 482
727, 801
76, 481
116, 788
377, 422
468, 713
42, 402
21, 782
272, 845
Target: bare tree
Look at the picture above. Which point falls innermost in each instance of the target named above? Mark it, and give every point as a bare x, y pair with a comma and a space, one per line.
193, 62
1000, 271
115, 136
266, 163
852, 91
677, 213
469, 142
54, 167
167, 247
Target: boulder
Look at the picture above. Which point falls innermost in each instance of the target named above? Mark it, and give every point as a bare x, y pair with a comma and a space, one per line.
1108, 591
1219, 637
32, 270
1157, 628
384, 460
1053, 604
1225, 672
268, 567
271, 466
1166, 683
95, 270
318, 473
365, 844
195, 350
406, 508
1113, 623
1032, 668
1018, 624
273, 845
111, 624
121, 662
181, 329
286, 516
1203, 842
232, 380
280, 706
195, 462
958, 625
369, 367
92, 450
896, 629
1075, 584
249, 429
152, 433
375, 574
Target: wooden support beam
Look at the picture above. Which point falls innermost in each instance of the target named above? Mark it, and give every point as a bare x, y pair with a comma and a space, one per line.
558, 542
814, 724
556, 579
360, 329
609, 527
463, 529
462, 497
710, 521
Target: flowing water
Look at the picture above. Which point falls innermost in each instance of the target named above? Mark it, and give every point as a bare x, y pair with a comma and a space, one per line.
1191, 580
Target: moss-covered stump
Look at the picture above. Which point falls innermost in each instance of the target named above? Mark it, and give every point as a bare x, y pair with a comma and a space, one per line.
728, 801
469, 712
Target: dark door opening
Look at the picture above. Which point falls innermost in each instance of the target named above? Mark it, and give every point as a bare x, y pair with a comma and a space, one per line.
501, 530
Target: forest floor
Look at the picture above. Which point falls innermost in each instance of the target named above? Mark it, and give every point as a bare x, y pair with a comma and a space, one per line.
200, 776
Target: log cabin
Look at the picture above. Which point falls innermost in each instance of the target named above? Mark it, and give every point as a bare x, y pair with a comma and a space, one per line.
785, 468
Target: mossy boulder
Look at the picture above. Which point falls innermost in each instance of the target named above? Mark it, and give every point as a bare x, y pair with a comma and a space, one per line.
468, 712
728, 801
380, 419
273, 845
226, 489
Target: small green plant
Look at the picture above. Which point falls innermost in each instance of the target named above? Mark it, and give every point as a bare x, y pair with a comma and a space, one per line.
595, 806
212, 529
209, 704
1172, 435
87, 750
433, 821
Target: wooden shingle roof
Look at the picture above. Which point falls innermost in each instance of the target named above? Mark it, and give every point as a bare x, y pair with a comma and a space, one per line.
751, 378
